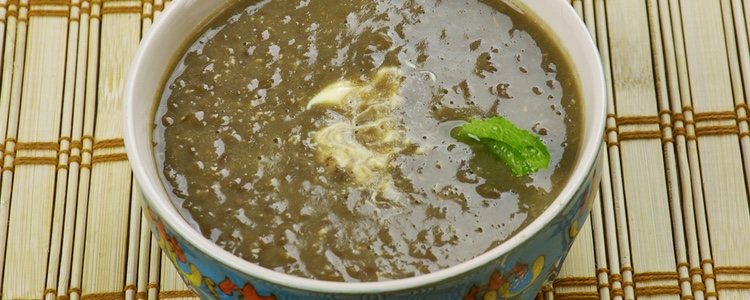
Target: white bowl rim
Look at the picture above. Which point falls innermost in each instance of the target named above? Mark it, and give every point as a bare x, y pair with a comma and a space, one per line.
168, 214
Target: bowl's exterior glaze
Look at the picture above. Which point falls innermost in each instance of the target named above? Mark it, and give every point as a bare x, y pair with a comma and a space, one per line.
518, 274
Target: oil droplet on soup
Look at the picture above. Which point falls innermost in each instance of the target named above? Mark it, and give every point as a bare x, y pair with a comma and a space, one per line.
236, 140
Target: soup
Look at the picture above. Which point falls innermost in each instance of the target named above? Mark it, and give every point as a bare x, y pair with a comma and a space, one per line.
319, 139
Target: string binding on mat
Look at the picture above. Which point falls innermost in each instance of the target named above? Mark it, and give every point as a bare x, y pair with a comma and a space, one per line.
672, 124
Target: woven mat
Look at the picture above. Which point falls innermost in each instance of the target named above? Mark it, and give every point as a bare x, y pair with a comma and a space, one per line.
672, 220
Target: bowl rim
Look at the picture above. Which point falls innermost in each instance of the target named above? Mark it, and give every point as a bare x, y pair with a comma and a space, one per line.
164, 208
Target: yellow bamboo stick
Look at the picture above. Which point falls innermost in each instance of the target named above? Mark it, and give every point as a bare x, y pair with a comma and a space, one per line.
672, 82
646, 200
689, 165
670, 157
720, 173
76, 135
736, 42
10, 95
33, 184
61, 180
154, 271
4, 105
615, 220
743, 53
90, 93
109, 192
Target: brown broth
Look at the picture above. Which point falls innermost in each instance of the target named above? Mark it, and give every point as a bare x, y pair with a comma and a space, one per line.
233, 134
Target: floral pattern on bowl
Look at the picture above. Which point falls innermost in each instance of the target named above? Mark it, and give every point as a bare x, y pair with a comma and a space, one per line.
191, 274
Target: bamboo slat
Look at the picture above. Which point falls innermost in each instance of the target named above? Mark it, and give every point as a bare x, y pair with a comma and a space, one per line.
10, 97
722, 175
743, 52
4, 105
674, 148
730, 277
66, 130
76, 174
73, 290
575, 276
643, 176
4, 19
110, 189
154, 271
684, 289
34, 177
687, 150
618, 245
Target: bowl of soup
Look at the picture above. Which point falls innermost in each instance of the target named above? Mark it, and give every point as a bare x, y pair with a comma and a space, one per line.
366, 149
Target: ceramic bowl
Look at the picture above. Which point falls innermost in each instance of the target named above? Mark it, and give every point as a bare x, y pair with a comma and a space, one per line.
516, 269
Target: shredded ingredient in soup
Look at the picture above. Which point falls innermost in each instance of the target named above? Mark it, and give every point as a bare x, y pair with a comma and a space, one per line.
364, 136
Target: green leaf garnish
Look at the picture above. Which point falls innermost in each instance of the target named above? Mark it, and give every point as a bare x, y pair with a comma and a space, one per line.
520, 149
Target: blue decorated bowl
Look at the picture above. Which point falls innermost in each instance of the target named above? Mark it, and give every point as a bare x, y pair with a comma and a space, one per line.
516, 269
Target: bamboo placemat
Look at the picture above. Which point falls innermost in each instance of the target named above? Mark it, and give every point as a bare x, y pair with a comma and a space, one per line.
672, 220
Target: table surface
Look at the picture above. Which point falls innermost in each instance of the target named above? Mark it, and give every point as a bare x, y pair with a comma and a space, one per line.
671, 220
